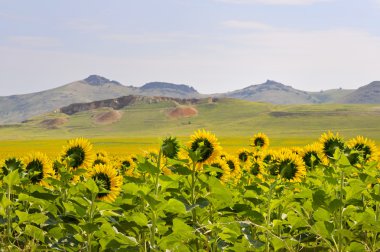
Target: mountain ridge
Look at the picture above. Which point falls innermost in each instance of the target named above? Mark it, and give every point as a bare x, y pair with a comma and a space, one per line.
17, 108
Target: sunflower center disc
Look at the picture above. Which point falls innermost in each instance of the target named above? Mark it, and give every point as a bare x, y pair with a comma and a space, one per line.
205, 148
104, 183
77, 154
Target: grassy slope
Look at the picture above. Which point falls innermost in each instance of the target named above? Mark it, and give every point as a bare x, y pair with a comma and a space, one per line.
233, 121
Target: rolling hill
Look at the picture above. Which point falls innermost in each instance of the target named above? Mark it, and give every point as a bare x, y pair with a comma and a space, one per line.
273, 92
17, 108
367, 94
224, 116
278, 93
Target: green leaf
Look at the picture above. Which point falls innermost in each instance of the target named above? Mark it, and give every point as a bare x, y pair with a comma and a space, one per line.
180, 169
23, 216
140, 219
357, 247
175, 206
181, 228
79, 237
147, 167
323, 228
319, 198
321, 215
277, 243
13, 178
37, 218
35, 233
228, 235
90, 227
92, 186
5, 202
335, 205
56, 232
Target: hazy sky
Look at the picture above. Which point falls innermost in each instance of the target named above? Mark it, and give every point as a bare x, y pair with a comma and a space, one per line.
212, 45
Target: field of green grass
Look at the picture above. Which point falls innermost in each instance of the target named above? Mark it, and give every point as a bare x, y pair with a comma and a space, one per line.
142, 126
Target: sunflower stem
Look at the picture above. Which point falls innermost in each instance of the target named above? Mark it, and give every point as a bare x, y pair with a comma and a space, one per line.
90, 220
9, 210
341, 212
156, 184
269, 214
193, 201
153, 231
376, 219
156, 191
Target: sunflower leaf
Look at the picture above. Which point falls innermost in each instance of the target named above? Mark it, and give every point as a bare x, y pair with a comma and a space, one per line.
148, 167
35, 233
12, 178
92, 186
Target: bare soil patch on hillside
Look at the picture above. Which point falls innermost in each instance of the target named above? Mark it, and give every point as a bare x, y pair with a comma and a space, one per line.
180, 112
53, 123
108, 117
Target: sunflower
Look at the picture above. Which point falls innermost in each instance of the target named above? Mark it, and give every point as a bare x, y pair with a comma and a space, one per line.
206, 144
109, 183
312, 155
152, 155
266, 158
260, 141
78, 153
38, 167
295, 149
102, 154
235, 171
289, 166
330, 143
10, 164
170, 147
101, 160
223, 173
127, 166
255, 167
364, 149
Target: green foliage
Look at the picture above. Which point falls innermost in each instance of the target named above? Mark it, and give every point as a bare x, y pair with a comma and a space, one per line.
335, 208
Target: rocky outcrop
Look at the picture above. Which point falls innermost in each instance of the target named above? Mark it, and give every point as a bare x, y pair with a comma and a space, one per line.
97, 80
125, 101
168, 86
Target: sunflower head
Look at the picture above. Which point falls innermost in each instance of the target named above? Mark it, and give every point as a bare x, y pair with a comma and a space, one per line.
234, 166
243, 155
362, 150
290, 166
312, 155
102, 154
107, 180
78, 153
11, 164
260, 141
38, 167
221, 171
170, 147
330, 143
255, 168
100, 160
297, 150
127, 166
206, 145
267, 157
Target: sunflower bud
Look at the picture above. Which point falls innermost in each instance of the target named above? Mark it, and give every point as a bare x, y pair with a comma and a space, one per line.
170, 147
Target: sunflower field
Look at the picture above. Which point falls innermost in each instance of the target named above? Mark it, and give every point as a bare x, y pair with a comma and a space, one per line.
194, 197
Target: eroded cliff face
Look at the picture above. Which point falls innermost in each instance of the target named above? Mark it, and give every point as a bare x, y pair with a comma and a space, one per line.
129, 100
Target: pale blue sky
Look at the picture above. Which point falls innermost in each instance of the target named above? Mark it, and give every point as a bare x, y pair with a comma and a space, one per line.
212, 45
